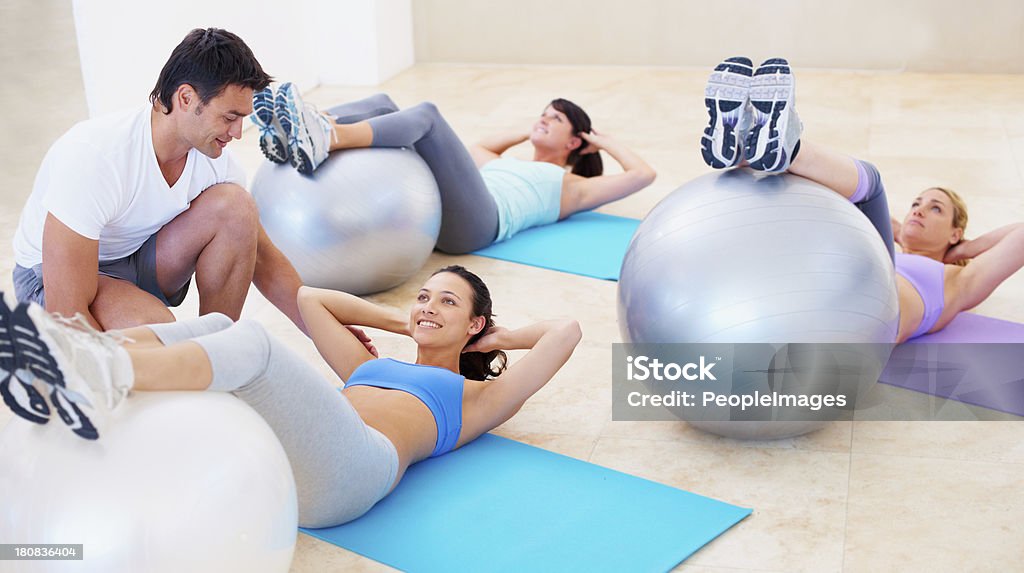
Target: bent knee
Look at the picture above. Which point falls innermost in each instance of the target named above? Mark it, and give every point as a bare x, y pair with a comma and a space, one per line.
428, 108
231, 204
226, 199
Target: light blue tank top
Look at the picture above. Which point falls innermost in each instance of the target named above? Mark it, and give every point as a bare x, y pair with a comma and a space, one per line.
528, 193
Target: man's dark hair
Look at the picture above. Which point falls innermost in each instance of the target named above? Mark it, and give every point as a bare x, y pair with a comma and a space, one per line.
208, 60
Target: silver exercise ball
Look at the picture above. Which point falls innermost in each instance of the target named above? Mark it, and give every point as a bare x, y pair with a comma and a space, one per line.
178, 481
742, 257
364, 222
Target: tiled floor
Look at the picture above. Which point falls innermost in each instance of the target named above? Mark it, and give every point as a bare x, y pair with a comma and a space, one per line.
864, 496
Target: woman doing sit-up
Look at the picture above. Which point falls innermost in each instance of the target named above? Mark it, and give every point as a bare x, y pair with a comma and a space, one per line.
347, 448
485, 197
753, 122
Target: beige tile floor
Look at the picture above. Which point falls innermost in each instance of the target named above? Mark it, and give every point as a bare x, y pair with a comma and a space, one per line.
867, 496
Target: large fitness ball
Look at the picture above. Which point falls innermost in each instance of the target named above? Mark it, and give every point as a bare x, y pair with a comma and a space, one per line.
364, 222
741, 257
178, 481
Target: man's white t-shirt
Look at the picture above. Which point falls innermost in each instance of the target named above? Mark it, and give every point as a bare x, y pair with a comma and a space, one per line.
102, 180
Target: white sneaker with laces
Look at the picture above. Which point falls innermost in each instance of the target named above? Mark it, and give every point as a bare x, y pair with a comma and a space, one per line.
774, 139
95, 371
309, 132
273, 137
726, 98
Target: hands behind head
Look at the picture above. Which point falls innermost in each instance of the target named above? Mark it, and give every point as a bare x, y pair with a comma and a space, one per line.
595, 141
957, 253
492, 340
896, 227
361, 336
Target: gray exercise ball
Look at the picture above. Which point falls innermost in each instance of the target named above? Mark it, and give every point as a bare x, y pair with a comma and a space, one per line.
743, 257
364, 222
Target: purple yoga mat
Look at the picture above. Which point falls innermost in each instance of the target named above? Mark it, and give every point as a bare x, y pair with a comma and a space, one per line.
976, 360
968, 327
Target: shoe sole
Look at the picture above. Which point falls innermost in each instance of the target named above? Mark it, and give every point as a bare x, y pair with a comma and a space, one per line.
49, 360
32, 348
22, 398
72, 415
286, 106
771, 90
725, 91
272, 145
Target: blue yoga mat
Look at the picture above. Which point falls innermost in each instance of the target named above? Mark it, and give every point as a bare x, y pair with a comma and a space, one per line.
589, 244
500, 505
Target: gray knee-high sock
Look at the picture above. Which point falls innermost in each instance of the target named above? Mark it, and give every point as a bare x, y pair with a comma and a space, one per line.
172, 332
238, 354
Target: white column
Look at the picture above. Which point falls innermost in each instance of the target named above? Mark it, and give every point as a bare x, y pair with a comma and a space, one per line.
362, 42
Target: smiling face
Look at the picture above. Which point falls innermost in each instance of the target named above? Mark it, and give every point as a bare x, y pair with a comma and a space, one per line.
442, 315
554, 131
930, 223
211, 126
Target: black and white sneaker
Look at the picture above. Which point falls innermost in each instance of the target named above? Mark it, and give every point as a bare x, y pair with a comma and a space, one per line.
20, 395
88, 372
39, 365
774, 138
273, 137
726, 97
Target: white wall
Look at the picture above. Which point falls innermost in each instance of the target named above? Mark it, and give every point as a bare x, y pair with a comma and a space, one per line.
370, 40
917, 35
123, 44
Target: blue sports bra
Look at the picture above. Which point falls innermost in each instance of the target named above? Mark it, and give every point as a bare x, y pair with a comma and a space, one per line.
440, 389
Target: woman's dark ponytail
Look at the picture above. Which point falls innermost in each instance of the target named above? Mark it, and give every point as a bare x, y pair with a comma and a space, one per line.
584, 165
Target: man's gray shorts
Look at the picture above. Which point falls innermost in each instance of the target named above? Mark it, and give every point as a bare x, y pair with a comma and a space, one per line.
138, 268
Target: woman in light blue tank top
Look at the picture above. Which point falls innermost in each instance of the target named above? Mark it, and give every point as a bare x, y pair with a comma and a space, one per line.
753, 122
484, 196
348, 448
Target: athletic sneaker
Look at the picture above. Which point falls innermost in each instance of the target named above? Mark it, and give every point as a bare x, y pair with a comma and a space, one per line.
37, 367
21, 396
725, 96
93, 372
273, 137
309, 131
775, 136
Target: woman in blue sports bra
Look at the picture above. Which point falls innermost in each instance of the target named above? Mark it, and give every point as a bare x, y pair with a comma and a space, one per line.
349, 448
485, 197
753, 122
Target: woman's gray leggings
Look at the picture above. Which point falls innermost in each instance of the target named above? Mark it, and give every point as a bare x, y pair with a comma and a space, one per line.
342, 467
469, 216
870, 199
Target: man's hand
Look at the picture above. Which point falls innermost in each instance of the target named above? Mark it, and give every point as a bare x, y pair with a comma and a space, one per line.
361, 336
